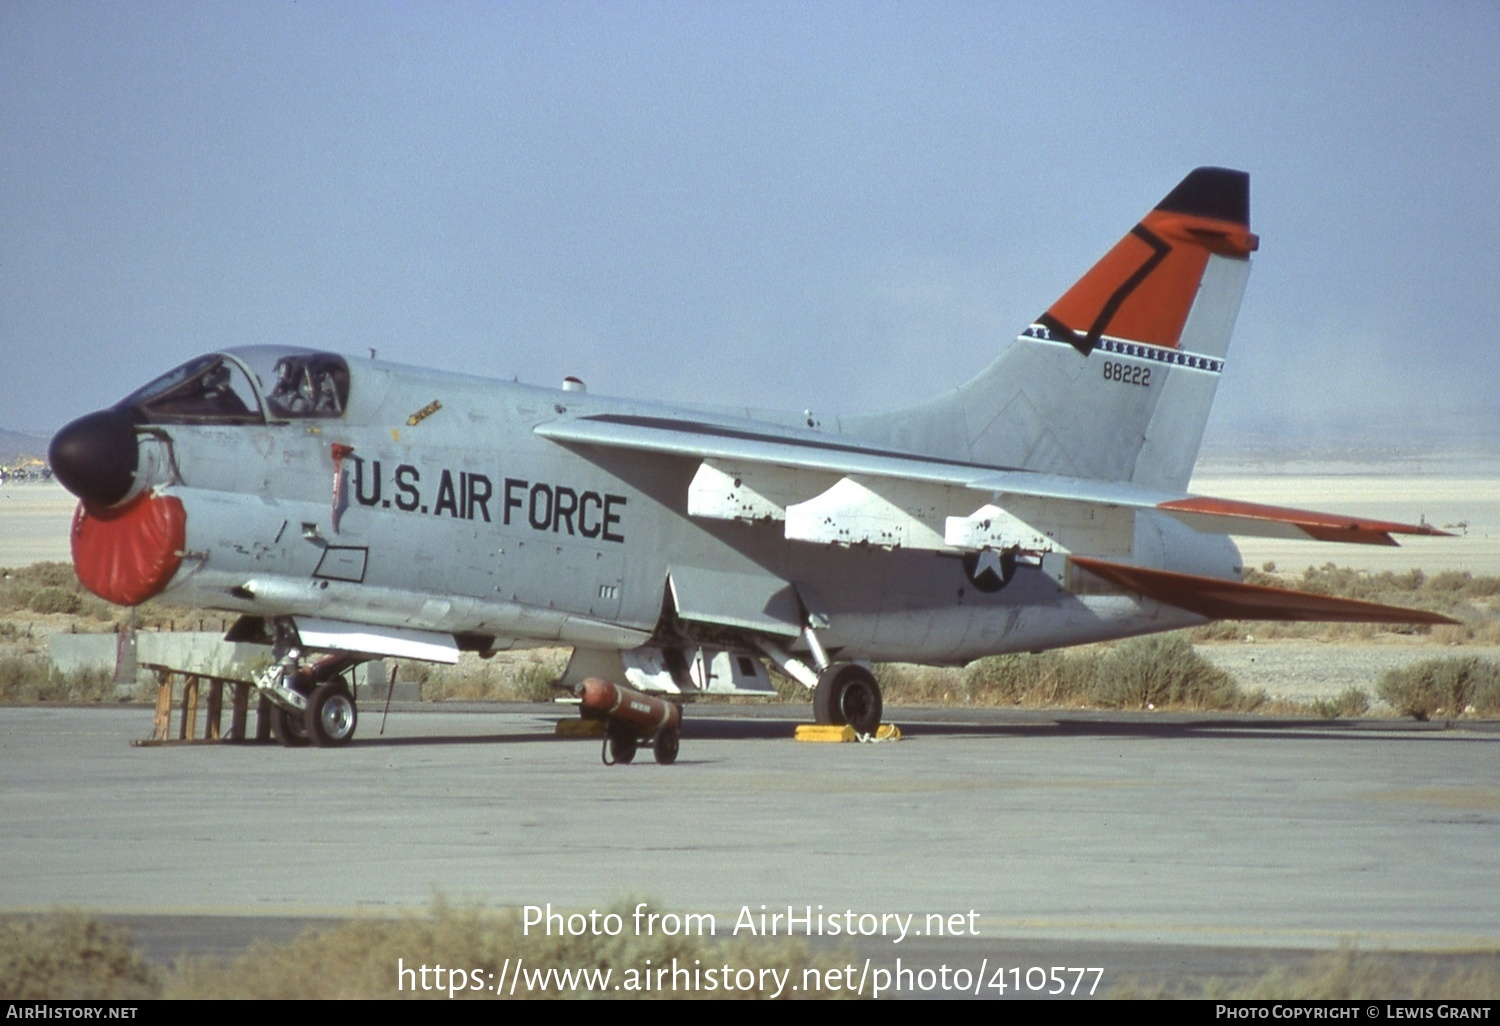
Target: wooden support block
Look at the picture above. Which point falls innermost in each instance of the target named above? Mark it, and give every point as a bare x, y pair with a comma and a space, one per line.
188, 730
163, 724
214, 711
213, 727
238, 711
263, 720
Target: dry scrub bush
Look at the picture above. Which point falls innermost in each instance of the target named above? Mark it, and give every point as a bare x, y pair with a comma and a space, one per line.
1470, 632
27, 677
54, 600
1449, 686
527, 678
70, 957
1350, 702
49, 588
1161, 671
1348, 974
359, 960
1044, 679
913, 684
1164, 670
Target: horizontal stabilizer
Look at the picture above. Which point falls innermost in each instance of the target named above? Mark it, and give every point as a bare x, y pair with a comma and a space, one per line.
1227, 516
1219, 599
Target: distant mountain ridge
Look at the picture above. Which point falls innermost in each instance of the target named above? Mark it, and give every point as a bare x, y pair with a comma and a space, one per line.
15, 444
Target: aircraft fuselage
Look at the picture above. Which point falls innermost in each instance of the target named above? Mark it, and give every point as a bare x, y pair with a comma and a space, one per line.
453, 515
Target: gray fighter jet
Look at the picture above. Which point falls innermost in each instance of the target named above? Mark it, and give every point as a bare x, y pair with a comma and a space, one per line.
352, 509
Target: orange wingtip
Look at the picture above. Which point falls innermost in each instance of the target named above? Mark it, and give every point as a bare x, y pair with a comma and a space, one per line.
1219, 599
1333, 527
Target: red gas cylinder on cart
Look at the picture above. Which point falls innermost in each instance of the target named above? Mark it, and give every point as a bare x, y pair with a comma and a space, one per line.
646, 713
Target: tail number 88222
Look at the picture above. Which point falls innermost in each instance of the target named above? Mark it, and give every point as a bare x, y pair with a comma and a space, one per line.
1126, 374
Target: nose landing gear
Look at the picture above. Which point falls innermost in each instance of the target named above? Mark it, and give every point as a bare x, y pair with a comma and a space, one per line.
311, 704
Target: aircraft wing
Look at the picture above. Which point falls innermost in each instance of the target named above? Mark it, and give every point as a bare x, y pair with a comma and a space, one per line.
754, 472
710, 440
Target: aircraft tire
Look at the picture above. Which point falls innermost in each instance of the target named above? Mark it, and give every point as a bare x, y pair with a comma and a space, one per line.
622, 744
289, 727
848, 694
331, 714
666, 745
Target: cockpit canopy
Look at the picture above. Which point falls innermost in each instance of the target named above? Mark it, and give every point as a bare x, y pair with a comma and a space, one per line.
250, 385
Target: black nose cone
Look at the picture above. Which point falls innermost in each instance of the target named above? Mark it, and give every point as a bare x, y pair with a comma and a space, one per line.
95, 456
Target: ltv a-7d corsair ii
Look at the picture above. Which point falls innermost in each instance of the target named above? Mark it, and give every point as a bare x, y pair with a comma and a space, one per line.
352, 509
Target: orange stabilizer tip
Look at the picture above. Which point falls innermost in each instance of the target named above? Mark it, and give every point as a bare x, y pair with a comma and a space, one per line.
1219, 599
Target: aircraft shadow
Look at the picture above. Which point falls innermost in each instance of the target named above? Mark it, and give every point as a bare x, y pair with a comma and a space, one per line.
752, 724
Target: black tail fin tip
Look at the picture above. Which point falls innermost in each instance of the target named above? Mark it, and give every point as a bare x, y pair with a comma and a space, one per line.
1213, 192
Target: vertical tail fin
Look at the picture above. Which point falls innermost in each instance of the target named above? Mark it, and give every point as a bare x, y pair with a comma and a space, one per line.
1115, 381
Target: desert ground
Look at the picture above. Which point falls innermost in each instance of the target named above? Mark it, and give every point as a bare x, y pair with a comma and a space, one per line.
1463, 500
34, 521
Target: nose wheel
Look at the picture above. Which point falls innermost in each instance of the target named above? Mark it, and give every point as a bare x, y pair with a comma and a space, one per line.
331, 714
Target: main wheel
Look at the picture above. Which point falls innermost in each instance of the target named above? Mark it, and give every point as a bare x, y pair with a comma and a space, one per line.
289, 726
666, 745
848, 694
331, 714
622, 744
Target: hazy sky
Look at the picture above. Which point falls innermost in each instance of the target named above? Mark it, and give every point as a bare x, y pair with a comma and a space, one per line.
832, 205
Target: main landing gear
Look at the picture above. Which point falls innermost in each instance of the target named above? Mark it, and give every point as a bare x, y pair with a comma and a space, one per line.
848, 693
843, 693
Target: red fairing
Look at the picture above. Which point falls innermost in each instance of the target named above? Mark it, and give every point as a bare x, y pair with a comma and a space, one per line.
129, 554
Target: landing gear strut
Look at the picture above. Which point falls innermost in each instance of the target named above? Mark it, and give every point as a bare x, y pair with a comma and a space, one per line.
848, 693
